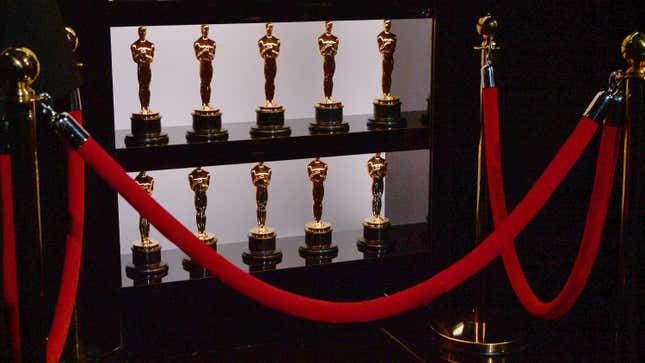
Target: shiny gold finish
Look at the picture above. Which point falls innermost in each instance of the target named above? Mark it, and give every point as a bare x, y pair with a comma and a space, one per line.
328, 47
199, 180
21, 67
377, 170
317, 172
72, 38
633, 50
472, 335
386, 41
269, 47
147, 183
143, 52
205, 53
261, 178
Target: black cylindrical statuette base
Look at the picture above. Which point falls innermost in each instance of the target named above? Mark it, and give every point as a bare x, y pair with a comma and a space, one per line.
146, 130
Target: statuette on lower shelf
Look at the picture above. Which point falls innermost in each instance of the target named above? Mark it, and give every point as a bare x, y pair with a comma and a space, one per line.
387, 108
270, 115
207, 120
318, 232
376, 229
199, 181
146, 267
145, 124
329, 112
261, 238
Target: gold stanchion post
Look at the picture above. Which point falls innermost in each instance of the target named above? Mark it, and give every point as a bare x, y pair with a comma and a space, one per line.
632, 210
479, 330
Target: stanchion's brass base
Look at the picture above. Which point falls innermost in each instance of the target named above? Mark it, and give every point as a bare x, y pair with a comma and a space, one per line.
376, 235
207, 126
329, 119
147, 267
262, 248
270, 122
146, 130
194, 269
318, 241
387, 114
465, 335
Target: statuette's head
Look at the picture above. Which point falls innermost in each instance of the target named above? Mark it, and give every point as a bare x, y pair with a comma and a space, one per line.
328, 26
633, 48
205, 31
269, 28
19, 65
142, 33
487, 26
387, 24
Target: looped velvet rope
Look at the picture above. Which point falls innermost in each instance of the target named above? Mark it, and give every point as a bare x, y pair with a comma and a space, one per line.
599, 202
344, 312
73, 253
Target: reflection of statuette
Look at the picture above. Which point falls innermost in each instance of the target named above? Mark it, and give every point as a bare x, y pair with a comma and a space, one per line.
317, 232
262, 253
207, 120
145, 124
146, 267
387, 109
376, 228
270, 116
329, 112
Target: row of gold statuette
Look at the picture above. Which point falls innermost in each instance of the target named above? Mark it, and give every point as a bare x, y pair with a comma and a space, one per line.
207, 119
146, 259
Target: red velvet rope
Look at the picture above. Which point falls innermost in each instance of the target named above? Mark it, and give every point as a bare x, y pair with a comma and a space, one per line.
73, 253
9, 274
599, 202
343, 312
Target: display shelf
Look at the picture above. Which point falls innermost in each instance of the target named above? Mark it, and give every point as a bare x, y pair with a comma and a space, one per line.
241, 148
408, 239
180, 12
205, 314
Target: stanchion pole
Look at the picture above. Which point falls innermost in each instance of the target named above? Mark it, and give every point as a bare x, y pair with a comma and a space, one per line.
480, 330
632, 208
19, 68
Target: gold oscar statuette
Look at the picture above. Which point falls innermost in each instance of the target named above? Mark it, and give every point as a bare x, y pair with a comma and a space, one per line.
145, 124
318, 232
207, 120
387, 108
270, 115
329, 112
376, 228
261, 238
146, 266
199, 181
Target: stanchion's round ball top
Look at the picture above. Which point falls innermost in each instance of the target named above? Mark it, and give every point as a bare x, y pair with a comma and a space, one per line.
633, 47
19, 65
487, 25
72, 38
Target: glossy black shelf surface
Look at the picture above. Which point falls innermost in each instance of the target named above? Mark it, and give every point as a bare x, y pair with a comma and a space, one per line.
409, 239
178, 12
241, 148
